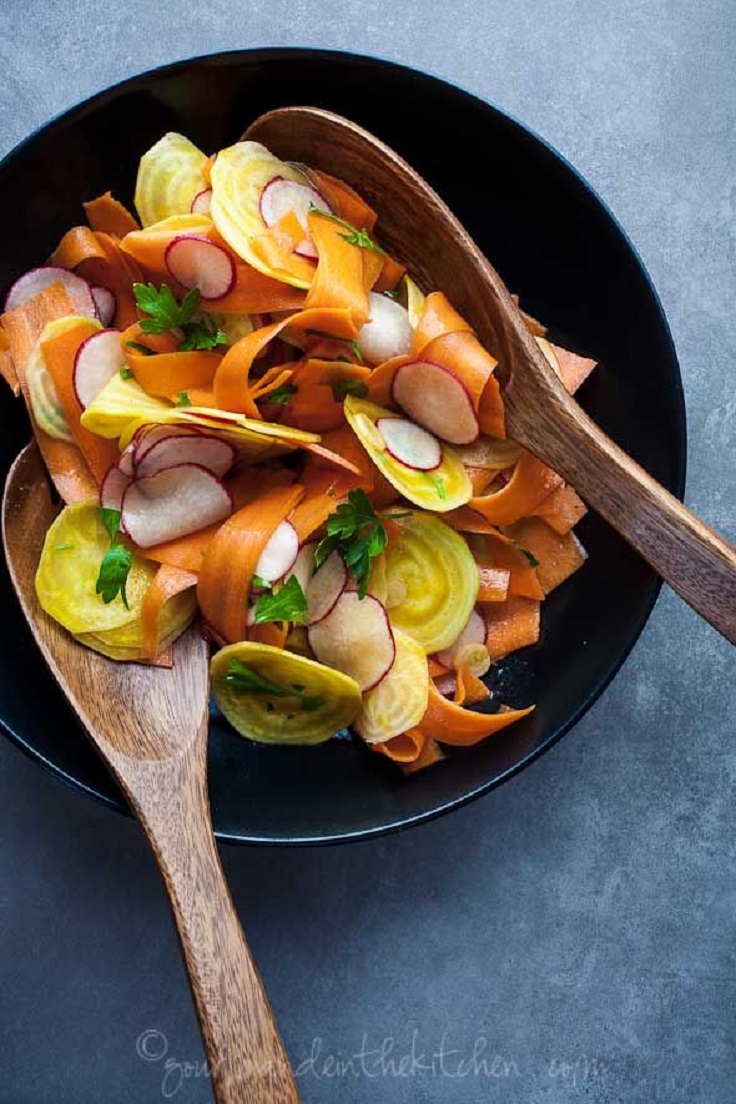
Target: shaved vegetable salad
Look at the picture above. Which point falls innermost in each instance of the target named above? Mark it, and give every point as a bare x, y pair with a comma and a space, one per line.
251, 412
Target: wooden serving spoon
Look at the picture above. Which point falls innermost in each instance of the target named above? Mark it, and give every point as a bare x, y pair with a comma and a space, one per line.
419, 230
150, 727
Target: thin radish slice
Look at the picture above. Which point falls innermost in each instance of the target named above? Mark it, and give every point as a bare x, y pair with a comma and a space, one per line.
173, 503
149, 435
325, 587
410, 444
98, 359
105, 303
355, 638
199, 263
280, 553
38, 279
437, 400
281, 196
186, 448
303, 565
113, 488
446, 684
387, 333
126, 463
202, 202
473, 633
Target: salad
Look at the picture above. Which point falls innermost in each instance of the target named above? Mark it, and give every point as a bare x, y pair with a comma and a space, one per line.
252, 413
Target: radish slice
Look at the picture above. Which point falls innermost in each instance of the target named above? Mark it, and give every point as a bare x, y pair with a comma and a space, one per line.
202, 202
410, 444
197, 262
325, 587
355, 638
40, 278
186, 448
173, 503
437, 400
105, 303
113, 488
281, 196
387, 333
446, 684
473, 633
149, 435
303, 565
126, 463
280, 553
98, 359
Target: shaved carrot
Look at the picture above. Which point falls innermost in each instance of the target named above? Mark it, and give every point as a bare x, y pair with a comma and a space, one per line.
275, 248
166, 374
559, 556
562, 510
494, 583
480, 478
530, 483
230, 561
23, 327
269, 633
470, 689
109, 216
574, 369
511, 625
344, 200
166, 584
404, 748
451, 724
78, 244
501, 552
7, 369
255, 293
390, 275
340, 279
381, 379
314, 406
320, 474
311, 514
431, 753
185, 553
59, 354
438, 317
117, 272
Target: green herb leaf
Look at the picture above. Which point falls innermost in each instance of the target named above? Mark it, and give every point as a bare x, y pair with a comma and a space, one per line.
533, 561
352, 343
357, 532
392, 294
439, 486
126, 372
142, 349
183, 399
356, 236
260, 583
65, 547
286, 604
166, 314
247, 681
202, 335
111, 521
281, 395
343, 387
114, 571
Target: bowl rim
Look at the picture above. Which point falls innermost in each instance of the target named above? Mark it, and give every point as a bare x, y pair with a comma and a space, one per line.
89, 103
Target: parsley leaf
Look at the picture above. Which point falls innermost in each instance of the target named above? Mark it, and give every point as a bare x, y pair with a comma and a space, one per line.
281, 395
126, 372
343, 387
166, 314
350, 342
183, 399
438, 485
355, 236
202, 335
261, 584
244, 679
111, 521
286, 604
113, 575
357, 532
533, 561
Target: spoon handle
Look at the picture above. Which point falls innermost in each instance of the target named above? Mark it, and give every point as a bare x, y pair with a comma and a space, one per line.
696, 562
246, 1057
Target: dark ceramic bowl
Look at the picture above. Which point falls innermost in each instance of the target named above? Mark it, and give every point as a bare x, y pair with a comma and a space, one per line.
553, 241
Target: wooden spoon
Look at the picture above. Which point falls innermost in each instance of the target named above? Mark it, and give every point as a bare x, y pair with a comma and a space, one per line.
419, 230
150, 727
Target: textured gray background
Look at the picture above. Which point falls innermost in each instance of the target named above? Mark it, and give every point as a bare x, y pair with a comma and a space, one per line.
577, 923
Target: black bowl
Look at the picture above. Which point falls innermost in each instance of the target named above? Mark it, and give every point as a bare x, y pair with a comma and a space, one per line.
553, 241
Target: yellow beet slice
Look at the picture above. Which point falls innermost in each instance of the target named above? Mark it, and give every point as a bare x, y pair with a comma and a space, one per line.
278, 697
444, 488
400, 700
169, 177
45, 404
125, 644
432, 581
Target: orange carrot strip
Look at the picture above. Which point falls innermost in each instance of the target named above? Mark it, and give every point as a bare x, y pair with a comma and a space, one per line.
436, 669
390, 274
255, 293
574, 369
314, 406
7, 368
165, 374
480, 478
231, 558
461, 353
530, 483
117, 272
270, 633
109, 216
511, 625
562, 510
380, 382
340, 279
343, 200
23, 327
311, 513
438, 317
451, 724
504, 553
559, 556
430, 753
185, 553
404, 748
78, 244
166, 584
59, 354
494, 583
321, 475
469, 689
333, 458
275, 248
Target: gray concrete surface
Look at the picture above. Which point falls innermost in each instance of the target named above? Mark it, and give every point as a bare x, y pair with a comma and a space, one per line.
570, 937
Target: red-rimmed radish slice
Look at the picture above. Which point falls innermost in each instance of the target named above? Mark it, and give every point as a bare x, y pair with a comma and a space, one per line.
473, 633
126, 463
186, 448
303, 565
437, 400
355, 638
202, 202
280, 553
325, 587
98, 359
410, 444
173, 503
387, 333
149, 435
196, 262
113, 488
281, 196
105, 303
28, 285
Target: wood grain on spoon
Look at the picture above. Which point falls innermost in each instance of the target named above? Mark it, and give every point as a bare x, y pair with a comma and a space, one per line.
150, 727
419, 230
